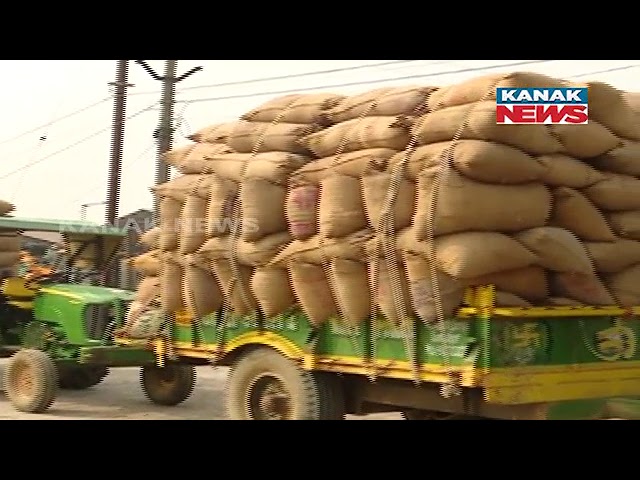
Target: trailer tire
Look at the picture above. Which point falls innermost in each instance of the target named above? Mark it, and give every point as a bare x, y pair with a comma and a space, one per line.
31, 381
169, 385
81, 378
265, 385
332, 397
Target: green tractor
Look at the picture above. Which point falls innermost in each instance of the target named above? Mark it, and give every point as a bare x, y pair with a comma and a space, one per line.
54, 328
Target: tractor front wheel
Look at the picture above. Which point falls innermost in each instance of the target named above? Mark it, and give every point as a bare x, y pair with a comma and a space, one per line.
31, 381
168, 385
81, 378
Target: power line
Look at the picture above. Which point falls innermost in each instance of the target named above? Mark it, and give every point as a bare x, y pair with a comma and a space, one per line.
363, 82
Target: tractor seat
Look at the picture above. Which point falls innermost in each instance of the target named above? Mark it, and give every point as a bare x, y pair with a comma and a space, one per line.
16, 288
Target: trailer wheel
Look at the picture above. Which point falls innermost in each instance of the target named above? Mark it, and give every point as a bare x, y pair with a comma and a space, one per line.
31, 381
168, 385
81, 378
332, 398
264, 385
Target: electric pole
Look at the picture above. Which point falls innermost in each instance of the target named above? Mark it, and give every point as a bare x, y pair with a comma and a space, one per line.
164, 132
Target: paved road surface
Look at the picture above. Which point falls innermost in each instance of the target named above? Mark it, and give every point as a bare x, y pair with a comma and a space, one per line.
119, 397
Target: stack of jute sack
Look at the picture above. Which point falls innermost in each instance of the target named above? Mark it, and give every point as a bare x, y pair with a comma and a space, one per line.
10, 242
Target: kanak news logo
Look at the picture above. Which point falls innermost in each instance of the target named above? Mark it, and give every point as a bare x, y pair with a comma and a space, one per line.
542, 106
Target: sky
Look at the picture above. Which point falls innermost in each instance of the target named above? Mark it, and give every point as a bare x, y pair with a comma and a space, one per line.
52, 178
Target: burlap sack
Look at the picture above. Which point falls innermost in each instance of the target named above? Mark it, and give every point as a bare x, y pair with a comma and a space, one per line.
358, 134
218, 133
382, 102
294, 108
390, 290
626, 224
587, 289
317, 250
255, 254
563, 302
148, 263
351, 288
192, 224
250, 137
529, 283
262, 209
311, 288
236, 290
177, 155
506, 299
617, 192
273, 166
375, 188
574, 212
271, 288
197, 160
480, 121
9, 259
482, 161
340, 211
151, 238
353, 164
563, 171
219, 216
633, 100
588, 142
200, 290
421, 289
6, 207
625, 286
301, 211
557, 249
11, 242
463, 204
148, 289
612, 257
179, 187
170, 210
624, 160
171, 274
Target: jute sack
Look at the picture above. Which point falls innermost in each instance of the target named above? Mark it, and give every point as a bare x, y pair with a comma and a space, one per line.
219, 216
151, 238
176, 155
268, 137
148, 289
9, 259
612, 257
236, 290
301, 211
480, 121
529, 283
484, 88
353, 164
179, 187
563, 171
574, 212
148, 263
563, 302
192, 224
10, 242
592, 141
557, 249
358, 134
340, 211
587, 289
451, 291
170, 210
196, 160
6, 207
262, 209
248, 253
351, 288
312, 290
273, 166
390, 289
382, 102
617, 192
626, 224
624, 160
317, 250
294, 108
472, 254
272, 290
375, 188
625, 286
463, 205
506, 299
218, 133
171, 275
479, 160
201, 291
633, 100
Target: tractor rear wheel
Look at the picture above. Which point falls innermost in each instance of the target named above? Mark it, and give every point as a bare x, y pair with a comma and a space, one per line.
168, 385
31, 381
81, 378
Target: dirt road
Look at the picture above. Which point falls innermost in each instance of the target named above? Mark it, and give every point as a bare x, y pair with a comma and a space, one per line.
119, 397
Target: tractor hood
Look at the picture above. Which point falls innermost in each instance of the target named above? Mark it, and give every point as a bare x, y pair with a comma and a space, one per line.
87, 293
